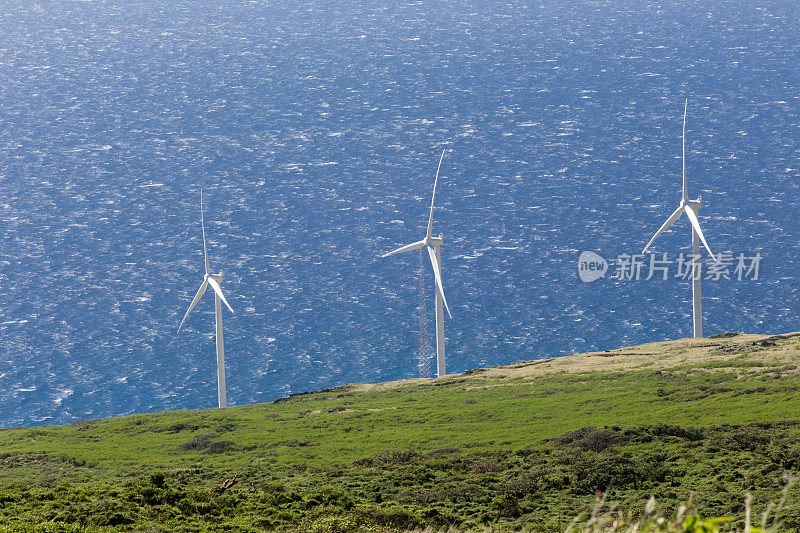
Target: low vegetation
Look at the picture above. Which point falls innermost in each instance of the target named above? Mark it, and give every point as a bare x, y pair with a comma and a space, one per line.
700, 425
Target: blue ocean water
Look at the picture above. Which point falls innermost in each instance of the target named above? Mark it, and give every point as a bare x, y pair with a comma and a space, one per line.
315, 129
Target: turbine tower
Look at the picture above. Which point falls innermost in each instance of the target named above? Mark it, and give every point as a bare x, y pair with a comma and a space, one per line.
691, 208
214, 280
425, 352
433, 245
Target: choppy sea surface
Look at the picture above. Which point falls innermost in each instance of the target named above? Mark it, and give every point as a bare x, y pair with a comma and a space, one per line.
314, 129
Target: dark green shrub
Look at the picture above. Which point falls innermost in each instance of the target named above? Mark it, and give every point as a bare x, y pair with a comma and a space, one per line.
157, 478
220, 446
590, 438
198, 442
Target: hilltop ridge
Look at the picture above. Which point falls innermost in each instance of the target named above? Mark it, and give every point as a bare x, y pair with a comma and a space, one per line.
664, 354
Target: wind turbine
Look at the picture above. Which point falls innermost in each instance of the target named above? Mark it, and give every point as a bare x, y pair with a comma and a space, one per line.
691, 208
214, 280
434, 252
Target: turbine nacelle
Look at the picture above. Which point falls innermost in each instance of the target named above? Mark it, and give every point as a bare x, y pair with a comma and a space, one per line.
694, 204
215, 277
434, 241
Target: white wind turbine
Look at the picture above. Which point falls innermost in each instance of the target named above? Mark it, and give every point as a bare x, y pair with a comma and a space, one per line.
214, 280
691, 208
434, 252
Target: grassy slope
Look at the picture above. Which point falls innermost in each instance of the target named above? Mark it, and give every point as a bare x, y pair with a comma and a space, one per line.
713, 417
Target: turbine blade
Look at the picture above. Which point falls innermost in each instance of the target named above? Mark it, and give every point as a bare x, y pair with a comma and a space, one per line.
200, 292
407, 248
437, 273
670, 221
218, 290
433, 197
203, 224
683, 157
696, 225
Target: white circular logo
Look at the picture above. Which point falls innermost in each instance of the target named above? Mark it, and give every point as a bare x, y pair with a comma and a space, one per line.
591, 266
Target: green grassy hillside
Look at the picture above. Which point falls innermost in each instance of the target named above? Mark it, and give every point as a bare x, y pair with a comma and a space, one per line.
525, 446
